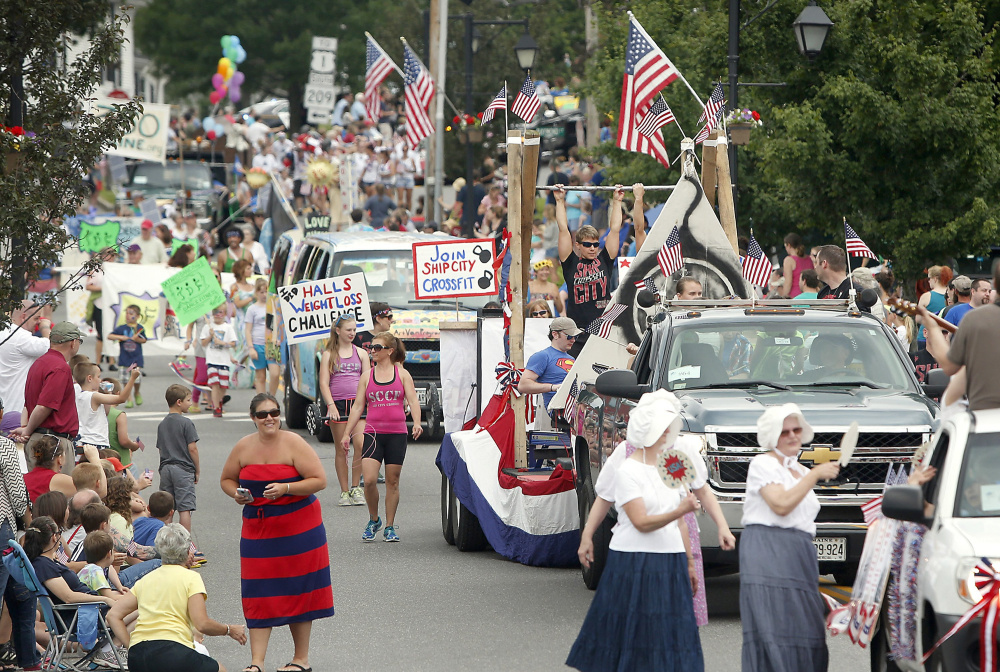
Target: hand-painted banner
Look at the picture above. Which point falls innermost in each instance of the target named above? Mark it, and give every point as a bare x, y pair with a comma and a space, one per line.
311, 307
317, 224
193, 291
96, 237
452, 268
148, 138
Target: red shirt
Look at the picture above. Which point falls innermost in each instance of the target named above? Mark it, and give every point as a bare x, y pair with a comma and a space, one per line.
38, 481
50, 384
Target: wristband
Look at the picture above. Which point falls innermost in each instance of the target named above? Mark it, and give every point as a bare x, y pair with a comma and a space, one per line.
227, 631
288, 488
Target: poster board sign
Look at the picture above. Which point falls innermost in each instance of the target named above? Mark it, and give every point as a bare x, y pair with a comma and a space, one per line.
193, 291
95, 237
453, 268
149, 210
310, 308
148, 138
264, 197
317, 224
119, 171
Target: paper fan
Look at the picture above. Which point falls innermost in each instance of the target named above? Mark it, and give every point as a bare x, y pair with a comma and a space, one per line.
320, 173
257, 178
918, 454
676, 468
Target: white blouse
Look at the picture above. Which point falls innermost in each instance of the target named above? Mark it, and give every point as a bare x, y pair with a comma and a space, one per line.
605, 485
636, 480
765, 470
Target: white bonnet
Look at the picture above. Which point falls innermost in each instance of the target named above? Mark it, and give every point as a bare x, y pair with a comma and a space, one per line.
651, 417
770, 423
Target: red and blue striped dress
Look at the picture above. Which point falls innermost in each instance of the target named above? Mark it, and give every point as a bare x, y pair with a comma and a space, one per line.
284, 562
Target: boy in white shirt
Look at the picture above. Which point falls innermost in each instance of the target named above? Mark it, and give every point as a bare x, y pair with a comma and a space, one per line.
219, 339
91, 403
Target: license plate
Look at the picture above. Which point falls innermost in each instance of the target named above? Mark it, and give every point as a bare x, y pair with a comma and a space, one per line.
831, 549
421, 395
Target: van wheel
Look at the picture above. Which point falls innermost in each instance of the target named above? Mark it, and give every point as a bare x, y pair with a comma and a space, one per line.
316, 425
465, 527
295, 406
446, 522
585, 496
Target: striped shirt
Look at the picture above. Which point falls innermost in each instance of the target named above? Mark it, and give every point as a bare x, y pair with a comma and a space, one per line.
14, 493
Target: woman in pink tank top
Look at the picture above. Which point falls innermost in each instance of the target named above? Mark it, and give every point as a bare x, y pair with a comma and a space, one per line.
343, 366
384, 393
794, 264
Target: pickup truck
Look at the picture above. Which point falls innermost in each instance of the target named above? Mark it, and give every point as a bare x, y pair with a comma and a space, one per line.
727, 364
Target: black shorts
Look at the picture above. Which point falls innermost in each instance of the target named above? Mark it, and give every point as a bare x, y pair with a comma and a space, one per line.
160, 655
343, 407
96, 321
388, 448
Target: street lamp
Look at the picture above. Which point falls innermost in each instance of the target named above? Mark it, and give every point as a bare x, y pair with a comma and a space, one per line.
526, 49
477, 39
811, 28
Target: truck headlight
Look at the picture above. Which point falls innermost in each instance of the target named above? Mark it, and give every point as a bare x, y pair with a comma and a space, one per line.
700, 438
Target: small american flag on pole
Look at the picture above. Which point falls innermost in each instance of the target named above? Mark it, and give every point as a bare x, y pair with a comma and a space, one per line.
756, 266
669, 257
646, 283
574, 392
379, 66
419, 90
499, 102
602, 325
712, 114
659, 115
527, 103
855, 246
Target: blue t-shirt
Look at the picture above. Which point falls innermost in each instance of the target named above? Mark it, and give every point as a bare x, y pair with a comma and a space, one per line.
129, 352
46, 568
957, 312
551, 366
144, 530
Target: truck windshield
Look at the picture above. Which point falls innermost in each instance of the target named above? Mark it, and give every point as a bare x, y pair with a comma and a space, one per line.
153, 176
979, 484
796, 354
389, 276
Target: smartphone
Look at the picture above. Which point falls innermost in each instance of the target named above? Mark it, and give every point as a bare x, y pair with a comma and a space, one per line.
149, 474
244, 492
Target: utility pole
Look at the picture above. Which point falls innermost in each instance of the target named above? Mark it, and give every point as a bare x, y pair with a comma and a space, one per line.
734, 87
430, 185
441, 45
593, 115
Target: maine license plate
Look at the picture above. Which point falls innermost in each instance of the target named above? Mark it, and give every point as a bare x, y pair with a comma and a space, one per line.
422, 395
831, 549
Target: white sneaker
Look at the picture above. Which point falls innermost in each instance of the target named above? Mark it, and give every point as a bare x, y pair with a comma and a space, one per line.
345, 499
357, 496
106, 659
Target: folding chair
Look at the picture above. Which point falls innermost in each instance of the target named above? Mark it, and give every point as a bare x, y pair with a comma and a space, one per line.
61, 635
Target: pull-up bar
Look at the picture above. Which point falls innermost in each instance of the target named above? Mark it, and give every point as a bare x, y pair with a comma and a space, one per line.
589, 187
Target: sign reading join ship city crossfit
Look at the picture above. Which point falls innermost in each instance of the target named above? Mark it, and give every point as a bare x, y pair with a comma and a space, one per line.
454, 268
311, 307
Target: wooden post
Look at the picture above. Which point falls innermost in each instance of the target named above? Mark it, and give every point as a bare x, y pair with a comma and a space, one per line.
708, 178
515, 196
529, 177
727, 209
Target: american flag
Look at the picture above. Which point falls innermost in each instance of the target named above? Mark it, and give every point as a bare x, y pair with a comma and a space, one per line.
646, 283
647, 71
712, 114
659, 115
527, 103
669, 256
756, 266
602, 325
379, 67
855, 246
419, 88
574, 391
499, 102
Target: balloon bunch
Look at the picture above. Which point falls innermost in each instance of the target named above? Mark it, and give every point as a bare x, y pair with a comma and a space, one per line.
214, 129
227, 79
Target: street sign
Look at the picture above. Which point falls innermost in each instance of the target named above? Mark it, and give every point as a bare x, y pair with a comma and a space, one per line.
320, 94
320, 80
319, 97
324, 44
319, 116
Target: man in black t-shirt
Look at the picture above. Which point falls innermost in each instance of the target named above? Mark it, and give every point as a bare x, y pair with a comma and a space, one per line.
587, 265
382, 321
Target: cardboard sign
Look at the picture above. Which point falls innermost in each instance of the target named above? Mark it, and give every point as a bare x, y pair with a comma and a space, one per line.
119, 171
96, 237
193, 291
264, 198
148, 138
317, 224
311, 307
149, 210
452, 268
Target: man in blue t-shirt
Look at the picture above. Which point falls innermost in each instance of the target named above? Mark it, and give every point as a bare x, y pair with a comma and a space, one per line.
161, 512
548, 368
963, 300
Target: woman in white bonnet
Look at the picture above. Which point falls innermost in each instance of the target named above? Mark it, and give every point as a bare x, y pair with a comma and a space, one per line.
784, 629
642, 616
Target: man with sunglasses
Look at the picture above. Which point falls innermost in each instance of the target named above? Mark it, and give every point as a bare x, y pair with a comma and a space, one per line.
381, 322
587, 264
547, 368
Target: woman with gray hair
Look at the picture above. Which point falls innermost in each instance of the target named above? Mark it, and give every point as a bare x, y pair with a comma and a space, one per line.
784, 629
171, 604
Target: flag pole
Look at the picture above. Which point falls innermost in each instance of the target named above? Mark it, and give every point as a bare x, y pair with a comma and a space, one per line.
525, 120
394, 66
753, 290
506, 122
679, 74
851, 292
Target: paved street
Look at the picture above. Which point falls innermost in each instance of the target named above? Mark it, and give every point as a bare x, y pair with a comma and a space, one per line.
419, 604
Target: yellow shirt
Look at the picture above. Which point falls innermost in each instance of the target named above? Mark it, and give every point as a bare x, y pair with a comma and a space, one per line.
163, 605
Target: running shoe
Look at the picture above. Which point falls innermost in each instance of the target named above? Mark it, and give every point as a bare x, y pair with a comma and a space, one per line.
345, 499
217, 412
129, 404
390, 533
106, 659
112, 367
357, 496
138, 400
381, 478
371, 528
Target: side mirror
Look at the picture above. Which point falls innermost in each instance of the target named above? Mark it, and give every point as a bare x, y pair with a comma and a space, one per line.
645, 298
904, 502
620, 383
935, 383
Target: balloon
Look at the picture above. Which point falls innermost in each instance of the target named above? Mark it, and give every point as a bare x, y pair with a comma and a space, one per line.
221, 70
237, 78
241, 54
234, 41
224, 62
214, 97
230, 71
210, 135
208, 124
217, 80
229, 117
234, 94
226, 41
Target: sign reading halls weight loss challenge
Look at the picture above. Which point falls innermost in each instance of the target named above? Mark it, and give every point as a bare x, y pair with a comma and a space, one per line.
310, 308
449, 269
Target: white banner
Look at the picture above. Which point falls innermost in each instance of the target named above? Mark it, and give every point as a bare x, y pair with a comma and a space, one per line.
311, 307
452, 268
148, 138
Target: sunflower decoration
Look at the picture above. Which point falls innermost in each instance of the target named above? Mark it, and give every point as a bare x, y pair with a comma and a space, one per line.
676, 468
321, 173
257, 178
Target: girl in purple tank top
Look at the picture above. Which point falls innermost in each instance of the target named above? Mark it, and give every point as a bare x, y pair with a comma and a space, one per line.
343, 366
384, 393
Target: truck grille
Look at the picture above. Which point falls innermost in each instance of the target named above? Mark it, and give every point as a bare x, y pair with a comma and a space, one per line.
865, 439
424, 372
733, 473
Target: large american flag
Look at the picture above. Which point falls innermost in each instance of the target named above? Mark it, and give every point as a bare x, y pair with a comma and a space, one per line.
602, 325
419, 90
527, 103
712, 114
669, 257
659, 115
379, 65
855, 246
756, 266
647, 71
499, 102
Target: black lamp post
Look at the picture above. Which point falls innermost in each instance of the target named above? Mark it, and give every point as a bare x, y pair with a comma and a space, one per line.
811, 28
526, 49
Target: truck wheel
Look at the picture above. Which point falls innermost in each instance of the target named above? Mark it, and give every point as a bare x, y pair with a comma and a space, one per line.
433, 408
879, 649
316, 425
446, 521
465, 527
602, 539
295, 406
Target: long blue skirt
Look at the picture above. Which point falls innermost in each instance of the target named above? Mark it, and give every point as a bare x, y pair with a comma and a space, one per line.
641, 618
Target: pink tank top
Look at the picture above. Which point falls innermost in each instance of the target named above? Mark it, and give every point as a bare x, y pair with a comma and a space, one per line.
344, 383
801, 264
385, 405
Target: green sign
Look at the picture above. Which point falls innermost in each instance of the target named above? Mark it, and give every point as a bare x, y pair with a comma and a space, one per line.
193, 292
317, 224
96, 237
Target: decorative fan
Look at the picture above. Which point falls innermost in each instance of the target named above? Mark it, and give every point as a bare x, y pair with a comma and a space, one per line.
676, 468
257, 178
918, 454
321, 173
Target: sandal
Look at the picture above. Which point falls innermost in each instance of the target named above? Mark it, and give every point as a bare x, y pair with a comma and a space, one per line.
296, 666
252, 668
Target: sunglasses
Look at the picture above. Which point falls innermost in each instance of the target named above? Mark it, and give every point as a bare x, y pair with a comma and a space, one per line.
591, 244
572, 338
540, 313
260, 415
378, 347
789, 432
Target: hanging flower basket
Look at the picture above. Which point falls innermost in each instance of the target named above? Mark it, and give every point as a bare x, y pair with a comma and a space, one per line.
739, 134
471, 135
12, 162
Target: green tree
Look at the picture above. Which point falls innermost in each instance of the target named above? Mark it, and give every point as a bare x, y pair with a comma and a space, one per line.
42, 169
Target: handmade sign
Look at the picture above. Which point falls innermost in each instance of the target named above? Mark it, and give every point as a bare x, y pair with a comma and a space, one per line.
96, 237
676, 468
452, 268
317, 224
193, 291
149, 210
311, 307
264, 198
118, 168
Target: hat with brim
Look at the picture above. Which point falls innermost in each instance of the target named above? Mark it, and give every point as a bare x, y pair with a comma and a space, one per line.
770, 424
116, 463
651, 417
565, 325
64, 332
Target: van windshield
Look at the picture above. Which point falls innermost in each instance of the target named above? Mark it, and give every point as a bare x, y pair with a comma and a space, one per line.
172, 176
979, 484
389, 276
